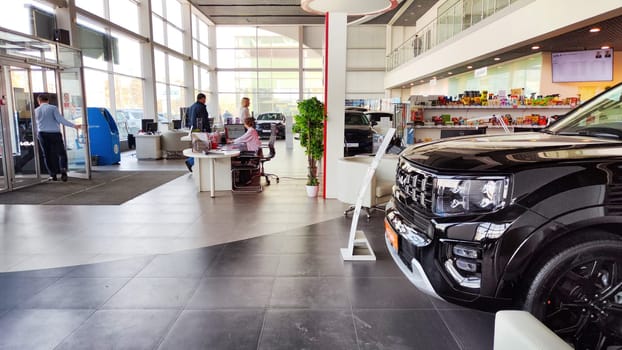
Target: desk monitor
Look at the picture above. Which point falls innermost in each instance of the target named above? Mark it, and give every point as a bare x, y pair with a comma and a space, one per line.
234, 130
152, 127
176, 124
144, 124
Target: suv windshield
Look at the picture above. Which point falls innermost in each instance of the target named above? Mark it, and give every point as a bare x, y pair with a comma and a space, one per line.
600, 117
356, 119
271, 116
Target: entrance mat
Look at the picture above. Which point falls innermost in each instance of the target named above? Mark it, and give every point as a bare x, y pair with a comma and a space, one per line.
104, 188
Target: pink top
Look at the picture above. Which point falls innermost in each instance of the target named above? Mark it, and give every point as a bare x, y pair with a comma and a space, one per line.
250, 138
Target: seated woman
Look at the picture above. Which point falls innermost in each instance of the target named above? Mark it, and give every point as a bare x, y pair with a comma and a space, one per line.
247, 164
250, 137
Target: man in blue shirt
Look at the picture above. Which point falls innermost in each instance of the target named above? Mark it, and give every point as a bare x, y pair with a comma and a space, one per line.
51, 142
199, 121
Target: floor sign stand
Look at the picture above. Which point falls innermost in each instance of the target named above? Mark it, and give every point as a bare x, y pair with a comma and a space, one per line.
359, 248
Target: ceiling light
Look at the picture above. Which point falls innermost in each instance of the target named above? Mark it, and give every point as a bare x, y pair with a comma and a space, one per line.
535, 47
422, 81
605, 47
497, 59
450, 73
594, 30
469, 67
411, 84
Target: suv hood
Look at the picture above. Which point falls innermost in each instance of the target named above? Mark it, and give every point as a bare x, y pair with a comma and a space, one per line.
509, 151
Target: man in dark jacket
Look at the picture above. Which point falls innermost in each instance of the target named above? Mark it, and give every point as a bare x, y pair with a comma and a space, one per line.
199, 121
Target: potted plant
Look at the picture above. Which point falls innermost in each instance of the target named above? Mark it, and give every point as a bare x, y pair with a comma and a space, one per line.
310, 126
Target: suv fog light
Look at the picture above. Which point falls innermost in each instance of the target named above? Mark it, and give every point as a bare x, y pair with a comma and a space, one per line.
465, 252
466, 265
471, 282
618, 298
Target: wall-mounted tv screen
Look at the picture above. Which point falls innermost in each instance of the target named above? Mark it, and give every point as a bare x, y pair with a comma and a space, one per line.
587, 65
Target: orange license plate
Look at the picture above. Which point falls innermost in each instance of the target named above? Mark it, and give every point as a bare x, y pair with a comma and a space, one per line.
391, 235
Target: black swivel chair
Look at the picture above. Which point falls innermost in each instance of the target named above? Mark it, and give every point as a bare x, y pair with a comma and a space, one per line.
244, 169
269, 157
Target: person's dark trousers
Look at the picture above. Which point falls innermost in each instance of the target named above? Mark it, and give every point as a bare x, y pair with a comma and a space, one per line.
190, 163
54, 153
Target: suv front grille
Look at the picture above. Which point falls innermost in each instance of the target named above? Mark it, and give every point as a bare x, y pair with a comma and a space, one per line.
416, 186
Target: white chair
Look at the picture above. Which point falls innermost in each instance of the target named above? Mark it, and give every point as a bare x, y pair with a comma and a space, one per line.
353, 170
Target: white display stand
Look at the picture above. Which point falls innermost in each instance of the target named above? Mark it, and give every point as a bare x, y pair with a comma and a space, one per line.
359, 248
148, 147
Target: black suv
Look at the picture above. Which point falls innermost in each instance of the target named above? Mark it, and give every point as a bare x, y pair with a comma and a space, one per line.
358, 134
525, 220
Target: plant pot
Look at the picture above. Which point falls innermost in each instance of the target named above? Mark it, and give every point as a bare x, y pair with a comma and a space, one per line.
312, 191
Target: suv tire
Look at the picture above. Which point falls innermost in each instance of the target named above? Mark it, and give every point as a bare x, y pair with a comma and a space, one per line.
577, 291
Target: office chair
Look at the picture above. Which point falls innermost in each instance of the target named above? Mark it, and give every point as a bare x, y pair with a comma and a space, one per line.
269, 157
244, 169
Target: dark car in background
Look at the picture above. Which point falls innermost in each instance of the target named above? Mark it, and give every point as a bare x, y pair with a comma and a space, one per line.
527, 220
264, 122
358, 134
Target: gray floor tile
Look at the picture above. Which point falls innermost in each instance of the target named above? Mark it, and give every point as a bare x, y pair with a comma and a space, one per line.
192, 263
121, 329
386, 293
15, 290
38, 329
402, 330
120, 268
310, 292
473, 329
241, 265
76, 293
384, 266
215, 330
310, 265
308, 329
270, 244
153, 293
232, 292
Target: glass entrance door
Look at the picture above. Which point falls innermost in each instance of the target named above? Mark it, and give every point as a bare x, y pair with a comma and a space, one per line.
74, 111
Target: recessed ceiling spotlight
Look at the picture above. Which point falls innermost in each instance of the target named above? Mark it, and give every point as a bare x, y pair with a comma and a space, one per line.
535, 47
405, 19
497, 59
469, 67
594, 30
450, 73
422, 81
605, 47
411, 84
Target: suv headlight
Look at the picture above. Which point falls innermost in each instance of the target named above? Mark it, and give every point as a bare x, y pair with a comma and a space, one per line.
462, 195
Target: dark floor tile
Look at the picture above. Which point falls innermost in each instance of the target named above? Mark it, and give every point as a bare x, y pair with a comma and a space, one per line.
215, 329
119, 268
15, 290
386, 293
227, 292
241, 265
473, 329
121, 329
191, 263
269, 244
153, 293
38, 329
308, 329
402, 329
75, 293
441, 304
383, 266
310, 265
314, 245
310, 292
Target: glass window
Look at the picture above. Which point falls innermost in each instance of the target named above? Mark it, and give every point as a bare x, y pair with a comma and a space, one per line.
96, 88
178, 95
243, 82
93, 6
128, 98
156, 7
283, 37
176, 70
235, 37
312, 84
312, 58
237, 58
173, 12
158, 29
204, 54
162, 98
129, 56
124, 13
175, 40
278, 58
159, 59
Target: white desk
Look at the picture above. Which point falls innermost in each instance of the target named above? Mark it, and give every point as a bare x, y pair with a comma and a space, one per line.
212, 170
148, 147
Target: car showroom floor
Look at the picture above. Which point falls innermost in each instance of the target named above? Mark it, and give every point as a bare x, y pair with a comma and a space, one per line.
176, 269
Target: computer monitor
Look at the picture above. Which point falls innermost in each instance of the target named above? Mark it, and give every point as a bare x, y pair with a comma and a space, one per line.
234, 130
152, 127
176, 124
144, 124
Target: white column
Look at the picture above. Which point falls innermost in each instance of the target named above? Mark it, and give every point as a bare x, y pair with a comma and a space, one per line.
335, 94
148, 65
